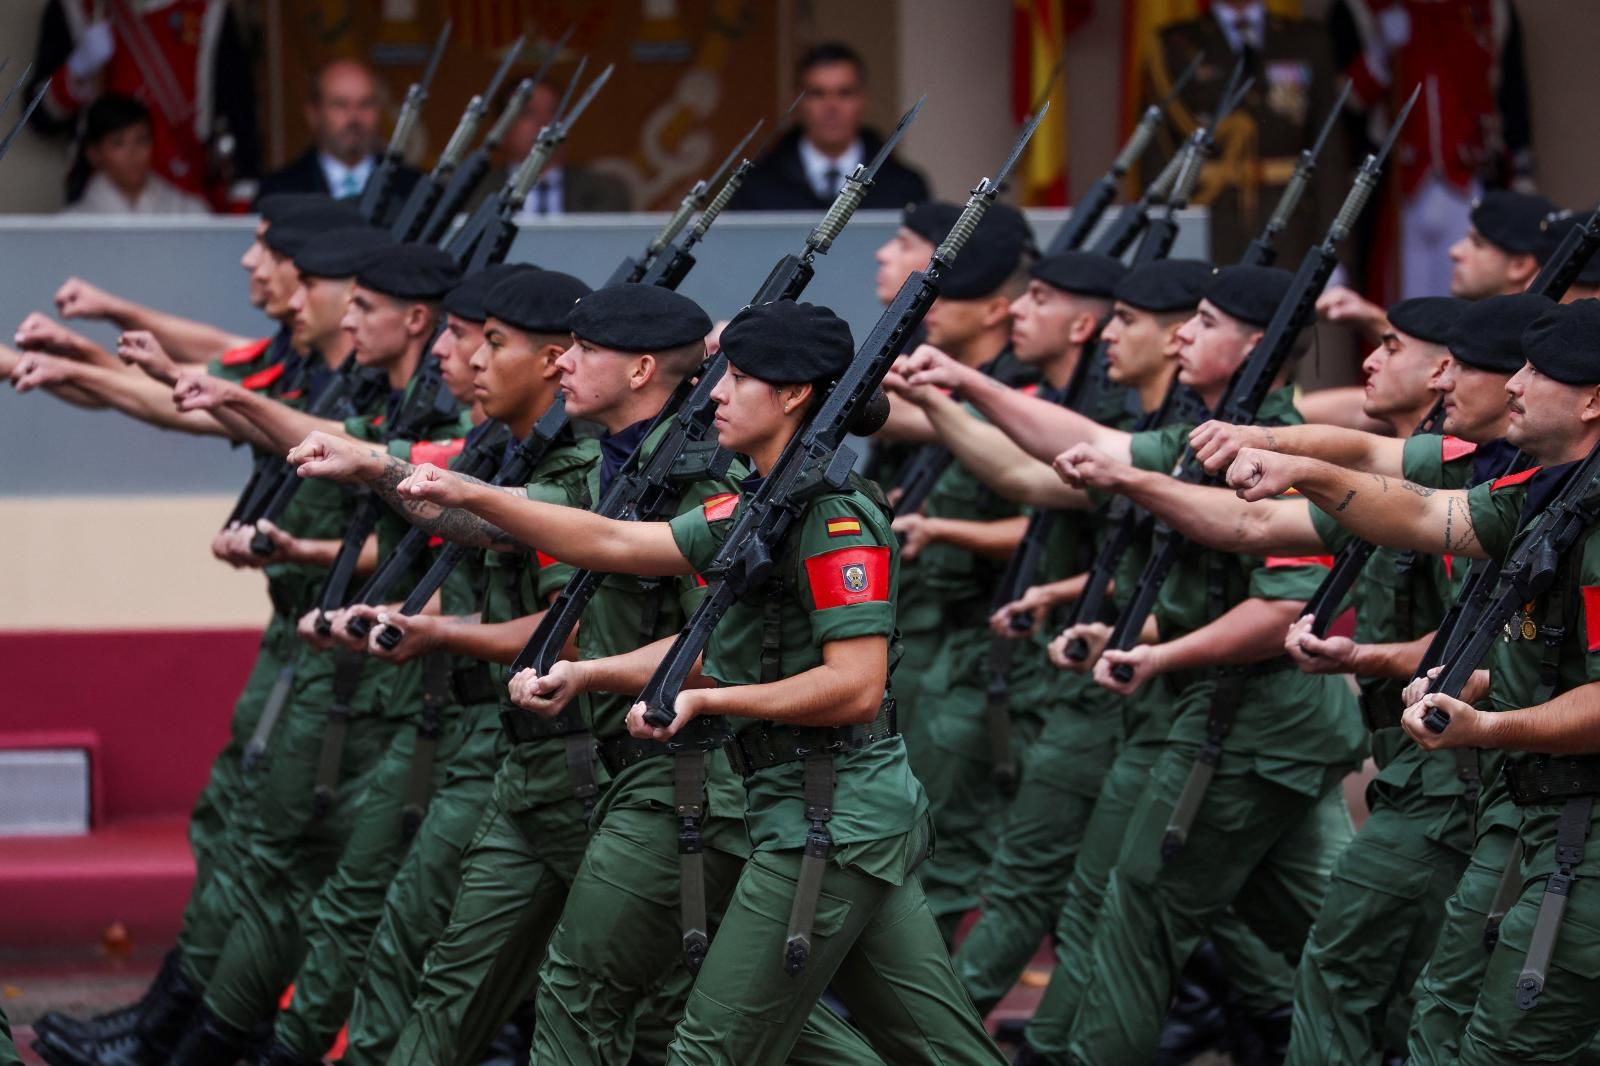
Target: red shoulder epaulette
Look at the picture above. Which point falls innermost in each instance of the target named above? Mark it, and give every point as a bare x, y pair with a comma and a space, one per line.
1453, 448
262, 379
1514, 479
245, 354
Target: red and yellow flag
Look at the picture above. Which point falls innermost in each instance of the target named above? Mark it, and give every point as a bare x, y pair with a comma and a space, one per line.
1039, 34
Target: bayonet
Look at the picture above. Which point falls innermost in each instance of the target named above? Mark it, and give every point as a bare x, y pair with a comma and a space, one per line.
22, 120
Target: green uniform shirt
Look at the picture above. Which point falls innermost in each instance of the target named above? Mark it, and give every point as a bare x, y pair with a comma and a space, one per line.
1291, 723
629, 612
839, 571
1497, 510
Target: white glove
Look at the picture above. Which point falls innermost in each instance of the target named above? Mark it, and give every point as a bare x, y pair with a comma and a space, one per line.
93, 51
1394, 26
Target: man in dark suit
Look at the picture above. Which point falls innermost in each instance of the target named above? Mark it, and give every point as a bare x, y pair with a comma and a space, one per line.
805, 169
343, 116
563, 188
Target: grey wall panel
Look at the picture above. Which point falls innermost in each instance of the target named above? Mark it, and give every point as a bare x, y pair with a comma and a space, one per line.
190, 267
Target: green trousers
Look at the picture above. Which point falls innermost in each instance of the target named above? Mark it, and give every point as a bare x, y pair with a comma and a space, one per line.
8, 1050
285, 850
515, 876
956, 768
217, 822
371, 922
1377, 927
918, 652
1454, 974
621, 932
1561, 1027
875, 945
1256, 846
1260, 977
1025, 885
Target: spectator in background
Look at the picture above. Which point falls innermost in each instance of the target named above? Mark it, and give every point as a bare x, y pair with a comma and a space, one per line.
185, 60
805, 170
564, 188
343, 116
118, 143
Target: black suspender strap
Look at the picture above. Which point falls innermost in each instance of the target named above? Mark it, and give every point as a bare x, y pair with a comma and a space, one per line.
689, 800
819, 785
277, 699
1572, 833
347, 667
430, 725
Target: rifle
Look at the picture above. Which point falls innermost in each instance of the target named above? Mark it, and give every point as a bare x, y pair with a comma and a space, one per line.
645, 493
491, 229
1263, 249
425, 194
1074, 232
27, 112
1180, 175
374, 201
633, 270
816, 458
525, 457
1553, 280
1253, 379
470, 174
1172, 187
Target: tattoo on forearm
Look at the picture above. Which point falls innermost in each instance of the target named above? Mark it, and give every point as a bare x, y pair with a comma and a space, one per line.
451, 523
1467, 536
1349, 496
1420, 490
1270, 439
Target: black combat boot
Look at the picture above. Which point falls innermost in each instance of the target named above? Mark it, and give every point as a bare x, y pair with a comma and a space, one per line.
210, 1041
1198, 1020
166, 1014
118, 1022
276, 1053
1260, 1040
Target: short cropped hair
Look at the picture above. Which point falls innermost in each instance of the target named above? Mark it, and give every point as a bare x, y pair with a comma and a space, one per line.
112, 113
826, 52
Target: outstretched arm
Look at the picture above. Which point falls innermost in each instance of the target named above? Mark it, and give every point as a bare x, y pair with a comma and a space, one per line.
1041, 428
1569, 724
1251, 631
185, 340
578, 538
1212, 516
131, 393
1392, 512
278, 426
1217, 444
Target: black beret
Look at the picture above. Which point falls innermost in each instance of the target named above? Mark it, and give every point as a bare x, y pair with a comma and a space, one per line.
1554, 230
294, 229
337, 253
409, 272
1564, 342
466, 299
1165, 285
1249, 293
1431, 319
1084, 273
275, 205
638, 318
788, 343
539, 301
990, 256
1510, 220
1488, 333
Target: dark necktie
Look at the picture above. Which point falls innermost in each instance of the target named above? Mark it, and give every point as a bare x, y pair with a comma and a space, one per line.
542, 201
1244, 29
830, 183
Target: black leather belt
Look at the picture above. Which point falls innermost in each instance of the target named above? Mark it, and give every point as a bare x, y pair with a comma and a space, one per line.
769, 744
524, 726
1380, 710
1552, 778
472, 684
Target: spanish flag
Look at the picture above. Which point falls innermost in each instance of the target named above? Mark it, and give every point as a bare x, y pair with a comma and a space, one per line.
1039, 34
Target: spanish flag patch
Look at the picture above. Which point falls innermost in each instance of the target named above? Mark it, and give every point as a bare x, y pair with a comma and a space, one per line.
720, 506
844, 527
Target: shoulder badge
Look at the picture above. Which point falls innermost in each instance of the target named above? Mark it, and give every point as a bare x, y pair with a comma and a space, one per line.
245, 353
849, 575
437, 452
720, 506
1591, 617
1514, 479
262, 379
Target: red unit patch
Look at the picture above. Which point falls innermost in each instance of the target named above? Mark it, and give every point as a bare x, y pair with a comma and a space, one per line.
1514, 479
437, 452
1453, 448
246, 354
720, 506
263, 378
1591, 616
849, 575
1276, 561
545, 560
